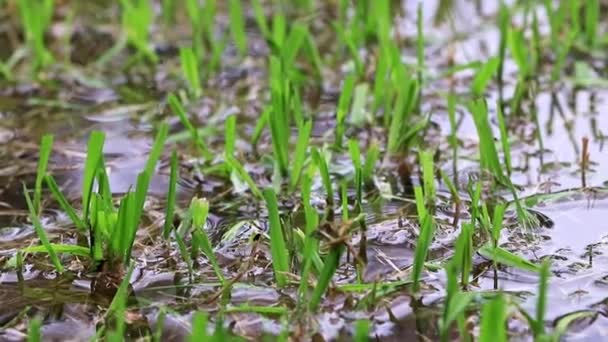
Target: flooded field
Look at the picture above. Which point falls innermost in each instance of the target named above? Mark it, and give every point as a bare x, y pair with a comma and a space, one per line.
310, 170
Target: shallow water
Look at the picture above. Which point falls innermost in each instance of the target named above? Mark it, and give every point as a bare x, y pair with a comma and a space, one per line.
128, 105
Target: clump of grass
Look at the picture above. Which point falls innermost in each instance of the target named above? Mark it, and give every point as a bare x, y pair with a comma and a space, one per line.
36, 16
111, 231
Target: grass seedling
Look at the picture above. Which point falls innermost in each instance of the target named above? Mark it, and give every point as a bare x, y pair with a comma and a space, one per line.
427, 232
562, 51
502, 256
169, 8
118, 306
199, 327
330, 265
592, 19
428, 178
324, 170
541, 304
355, 155
371, 157
456, 302
36, 16
190, 71
238, 169
493, 320
33, 330
483, 76
343, 106
463, 254
504, 139
64, 204
171, 196
137, 18
230, 135
46, 146
237, 26
362, 328
358, 116
279, 119
260, 18
178, 109
92, 162
300, 153
40, 231
487, 149
407, 94
453, 138
278, 249
183, 251
311, 244
200, 209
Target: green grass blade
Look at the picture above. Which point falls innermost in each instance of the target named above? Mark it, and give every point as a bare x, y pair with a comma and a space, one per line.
427, 232
343, 106
178, 109
94, 155
362, 328
428, 177
483, 76
504, 140
237, 167
200, 210
237, 26
330, 265
171, 196
311, 244
592, 19
157, 149
300, 153
40, 231
64, 204
493, 321
371, 157
230, 135
324, 170
33, 330
46, 146
190, 70
541, 304
278, 249
502, 256
60, 248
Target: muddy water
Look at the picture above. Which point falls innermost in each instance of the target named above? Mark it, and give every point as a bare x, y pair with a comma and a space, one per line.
127, 108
